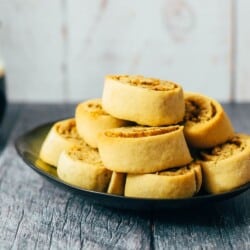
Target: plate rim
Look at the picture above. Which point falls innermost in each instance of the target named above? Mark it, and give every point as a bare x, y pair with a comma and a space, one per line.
205, 197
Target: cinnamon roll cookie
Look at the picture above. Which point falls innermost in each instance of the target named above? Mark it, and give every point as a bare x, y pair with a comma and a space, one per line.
91, 119
181, 182
146, 101
143, 149
62, 135
206, 124
81, 166
226, 166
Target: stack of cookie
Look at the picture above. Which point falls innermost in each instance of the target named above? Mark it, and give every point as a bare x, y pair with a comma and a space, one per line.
146, 138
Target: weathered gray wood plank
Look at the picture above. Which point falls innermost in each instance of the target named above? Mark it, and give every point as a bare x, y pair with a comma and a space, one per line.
35, 214
224, 225
220, 226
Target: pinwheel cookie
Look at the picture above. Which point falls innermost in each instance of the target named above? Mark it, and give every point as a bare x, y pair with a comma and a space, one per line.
62, 135
143, 149
81, 166
146, 101
182, 182
226, 166
206, 123
91, 119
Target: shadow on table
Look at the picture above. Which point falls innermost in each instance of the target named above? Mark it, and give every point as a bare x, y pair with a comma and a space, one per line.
235, 210
232, 212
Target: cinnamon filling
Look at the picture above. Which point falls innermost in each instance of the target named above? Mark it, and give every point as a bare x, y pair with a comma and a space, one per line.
68, 130
223, 151
174, 171
184, 170
199, 111
144, 82
86, 154
136, 132
95, 107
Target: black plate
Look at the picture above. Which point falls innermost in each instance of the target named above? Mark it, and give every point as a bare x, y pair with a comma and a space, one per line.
28, 146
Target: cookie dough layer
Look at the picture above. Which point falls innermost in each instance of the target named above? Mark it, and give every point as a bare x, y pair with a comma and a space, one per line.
143, 149
175, 183
206, 123
91, 119
227, 166
62, 135
146, 101
117, 183
81, 166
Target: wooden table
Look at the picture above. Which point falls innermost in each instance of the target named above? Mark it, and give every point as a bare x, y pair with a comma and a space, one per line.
36, 214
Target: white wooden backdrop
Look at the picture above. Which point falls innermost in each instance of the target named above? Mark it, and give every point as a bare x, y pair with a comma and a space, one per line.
61, 50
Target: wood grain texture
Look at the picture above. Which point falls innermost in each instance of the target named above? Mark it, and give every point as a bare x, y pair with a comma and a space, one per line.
186, 41
242, 40
35, 214
61, 50
32, 47
224, 225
